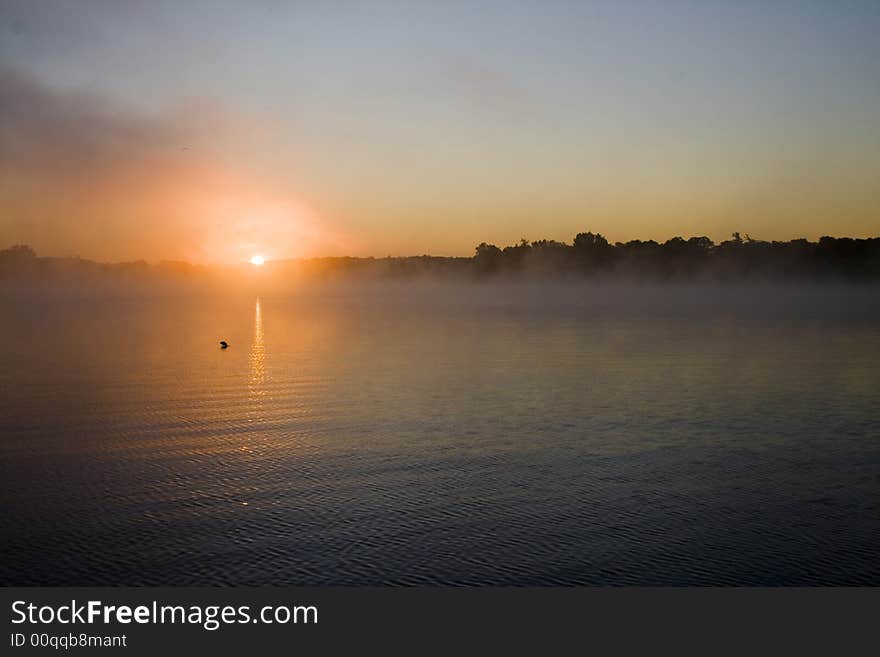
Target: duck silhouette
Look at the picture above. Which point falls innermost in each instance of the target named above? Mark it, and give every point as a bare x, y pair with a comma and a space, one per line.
223, 344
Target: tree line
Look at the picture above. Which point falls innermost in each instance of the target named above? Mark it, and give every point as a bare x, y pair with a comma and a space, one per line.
589, 255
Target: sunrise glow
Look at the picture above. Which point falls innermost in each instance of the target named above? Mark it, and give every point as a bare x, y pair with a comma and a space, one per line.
257, 260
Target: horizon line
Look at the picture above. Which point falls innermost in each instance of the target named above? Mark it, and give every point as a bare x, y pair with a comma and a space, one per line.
743, 237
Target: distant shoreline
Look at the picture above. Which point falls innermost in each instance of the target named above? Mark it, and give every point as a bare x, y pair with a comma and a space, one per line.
589, 256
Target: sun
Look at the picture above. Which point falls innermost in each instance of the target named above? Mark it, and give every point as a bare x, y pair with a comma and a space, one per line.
257, 260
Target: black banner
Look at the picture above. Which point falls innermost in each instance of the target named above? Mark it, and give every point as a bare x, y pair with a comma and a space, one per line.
149, 621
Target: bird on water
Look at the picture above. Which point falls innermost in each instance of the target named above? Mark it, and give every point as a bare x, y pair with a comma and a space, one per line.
223, 344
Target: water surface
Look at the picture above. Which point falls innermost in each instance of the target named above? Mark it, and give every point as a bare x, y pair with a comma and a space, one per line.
441, 437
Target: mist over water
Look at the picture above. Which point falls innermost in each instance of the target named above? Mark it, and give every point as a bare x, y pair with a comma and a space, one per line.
441, 433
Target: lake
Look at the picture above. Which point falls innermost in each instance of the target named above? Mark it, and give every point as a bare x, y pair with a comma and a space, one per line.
442, 434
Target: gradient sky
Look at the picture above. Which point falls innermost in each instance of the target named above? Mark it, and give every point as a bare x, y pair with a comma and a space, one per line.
210, 131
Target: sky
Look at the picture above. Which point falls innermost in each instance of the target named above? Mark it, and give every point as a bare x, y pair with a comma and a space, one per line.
212, 131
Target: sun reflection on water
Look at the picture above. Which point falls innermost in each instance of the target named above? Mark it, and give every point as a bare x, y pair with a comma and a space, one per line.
257, 358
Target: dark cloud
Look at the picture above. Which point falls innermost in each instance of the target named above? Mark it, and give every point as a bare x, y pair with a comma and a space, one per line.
81, 173
48, 132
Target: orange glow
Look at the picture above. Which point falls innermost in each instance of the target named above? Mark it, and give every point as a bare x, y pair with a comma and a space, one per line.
257, 260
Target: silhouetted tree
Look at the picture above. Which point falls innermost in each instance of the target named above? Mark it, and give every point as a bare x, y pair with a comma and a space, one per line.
592, 251
488, 257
